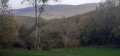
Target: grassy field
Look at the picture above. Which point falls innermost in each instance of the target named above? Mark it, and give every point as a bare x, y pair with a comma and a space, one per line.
83, 51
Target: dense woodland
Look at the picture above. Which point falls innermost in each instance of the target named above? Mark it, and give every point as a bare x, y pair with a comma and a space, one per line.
99, 27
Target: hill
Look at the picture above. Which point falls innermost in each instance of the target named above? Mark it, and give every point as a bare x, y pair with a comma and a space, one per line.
25, 20
58, 11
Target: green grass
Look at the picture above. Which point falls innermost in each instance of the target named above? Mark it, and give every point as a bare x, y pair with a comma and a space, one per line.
83, 51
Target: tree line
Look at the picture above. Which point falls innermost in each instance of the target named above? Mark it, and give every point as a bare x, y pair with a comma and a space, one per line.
98, 27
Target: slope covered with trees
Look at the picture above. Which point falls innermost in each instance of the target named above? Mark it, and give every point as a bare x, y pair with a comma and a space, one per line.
98, 27
8, 26
8, 31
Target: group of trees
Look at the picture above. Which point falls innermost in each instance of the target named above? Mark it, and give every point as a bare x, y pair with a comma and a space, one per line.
99, 27
39, 8
8, 26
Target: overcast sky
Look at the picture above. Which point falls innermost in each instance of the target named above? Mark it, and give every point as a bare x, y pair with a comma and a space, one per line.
16, 4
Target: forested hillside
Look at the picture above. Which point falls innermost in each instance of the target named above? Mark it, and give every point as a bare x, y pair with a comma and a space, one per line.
98, 27
8, 31
27, 20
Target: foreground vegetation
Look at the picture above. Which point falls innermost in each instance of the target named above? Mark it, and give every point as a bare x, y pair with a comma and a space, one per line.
99, 27
83, 51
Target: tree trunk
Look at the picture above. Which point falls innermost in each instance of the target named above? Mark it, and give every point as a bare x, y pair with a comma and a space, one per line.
37, 46
65, 40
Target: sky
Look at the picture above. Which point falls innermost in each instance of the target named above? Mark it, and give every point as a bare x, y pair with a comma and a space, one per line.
16, 4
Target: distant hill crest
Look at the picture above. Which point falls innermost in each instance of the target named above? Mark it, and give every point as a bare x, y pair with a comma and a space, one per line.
58, 11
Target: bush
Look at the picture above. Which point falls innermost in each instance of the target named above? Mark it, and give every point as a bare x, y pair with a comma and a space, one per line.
47, 45
8, 30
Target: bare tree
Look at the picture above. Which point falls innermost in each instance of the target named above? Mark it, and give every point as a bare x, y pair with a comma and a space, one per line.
39, 8
4, 6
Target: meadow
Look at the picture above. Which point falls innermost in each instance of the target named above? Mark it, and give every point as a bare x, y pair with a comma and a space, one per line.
82, 51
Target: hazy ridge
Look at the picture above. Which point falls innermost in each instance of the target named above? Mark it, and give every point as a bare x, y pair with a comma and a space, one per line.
58, 11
